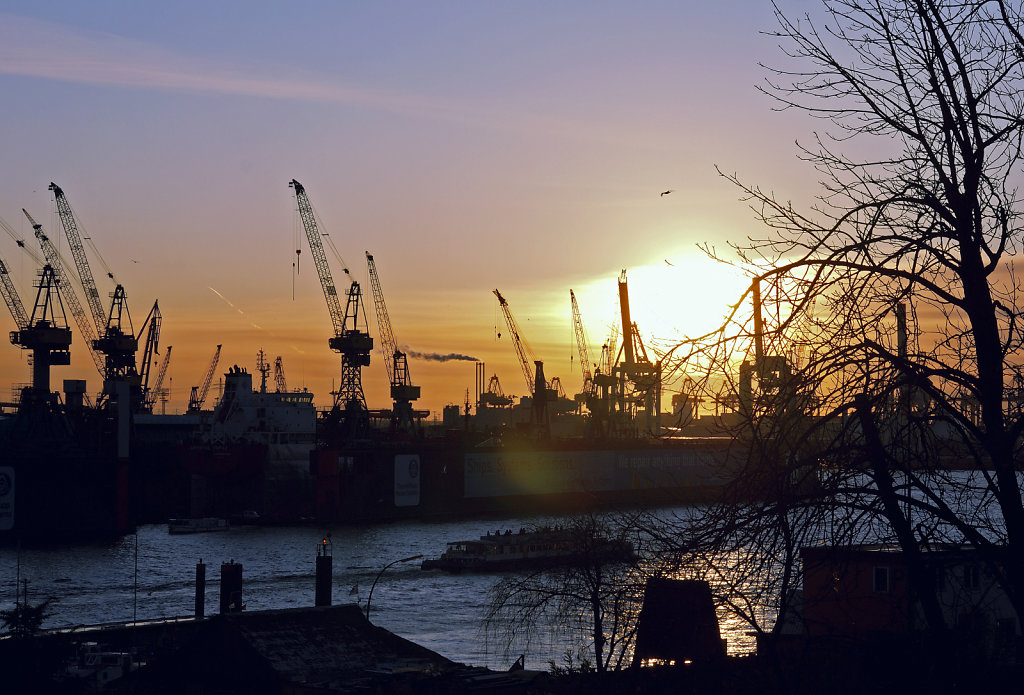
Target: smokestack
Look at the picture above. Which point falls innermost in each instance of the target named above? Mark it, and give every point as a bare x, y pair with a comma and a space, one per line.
758, 330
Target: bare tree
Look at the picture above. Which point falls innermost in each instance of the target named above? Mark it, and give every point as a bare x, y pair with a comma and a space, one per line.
890, 366
592, 603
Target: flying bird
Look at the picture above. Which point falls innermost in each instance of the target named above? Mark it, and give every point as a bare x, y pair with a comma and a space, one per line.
667, 263
671, 190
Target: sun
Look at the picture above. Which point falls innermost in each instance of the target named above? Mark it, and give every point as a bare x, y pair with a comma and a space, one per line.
683, 296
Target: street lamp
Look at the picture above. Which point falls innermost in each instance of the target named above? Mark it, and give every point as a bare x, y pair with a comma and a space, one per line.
390, 564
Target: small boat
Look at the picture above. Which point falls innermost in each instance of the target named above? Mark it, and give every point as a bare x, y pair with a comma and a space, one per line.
197, 525
502, 551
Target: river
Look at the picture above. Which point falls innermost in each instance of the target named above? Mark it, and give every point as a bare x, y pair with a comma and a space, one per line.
151, 575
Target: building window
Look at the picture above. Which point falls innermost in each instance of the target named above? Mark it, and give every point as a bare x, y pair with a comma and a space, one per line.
972, 576
881, 580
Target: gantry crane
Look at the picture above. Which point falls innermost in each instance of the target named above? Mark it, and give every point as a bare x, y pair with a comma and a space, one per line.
198, 395
349, 339
403, 393
85, 326
117, 342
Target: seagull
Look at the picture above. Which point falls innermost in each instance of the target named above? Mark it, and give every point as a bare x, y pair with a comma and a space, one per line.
671, 190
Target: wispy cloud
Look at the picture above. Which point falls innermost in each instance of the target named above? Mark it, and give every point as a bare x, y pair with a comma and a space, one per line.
34, 48
47, 50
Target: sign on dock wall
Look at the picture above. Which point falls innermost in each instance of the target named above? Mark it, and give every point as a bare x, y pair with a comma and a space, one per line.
6, 498
407, 480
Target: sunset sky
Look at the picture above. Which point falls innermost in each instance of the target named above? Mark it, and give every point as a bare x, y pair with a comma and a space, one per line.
467, 145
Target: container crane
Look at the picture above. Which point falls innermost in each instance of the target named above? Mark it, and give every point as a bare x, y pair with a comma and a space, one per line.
198, 396
403, 393
85, 326
353, 343
117, 341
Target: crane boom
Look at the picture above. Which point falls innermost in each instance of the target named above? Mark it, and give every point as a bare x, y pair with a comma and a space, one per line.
387, 337
85, 325
151, 326
198, 397
581, 346
316, 247
523, 352
402, 390
152, 395
12, 298
92, 295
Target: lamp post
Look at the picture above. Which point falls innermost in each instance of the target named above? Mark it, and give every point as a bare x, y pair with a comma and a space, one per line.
379, 574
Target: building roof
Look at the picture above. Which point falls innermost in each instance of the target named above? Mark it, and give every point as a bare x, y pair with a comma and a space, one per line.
328, 648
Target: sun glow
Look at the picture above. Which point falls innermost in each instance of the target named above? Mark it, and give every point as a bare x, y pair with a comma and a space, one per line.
681, 297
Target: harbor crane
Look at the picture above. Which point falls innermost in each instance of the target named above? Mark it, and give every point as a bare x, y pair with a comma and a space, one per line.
157, 390
639, 379
45, 332
354, 343
117, 342
198, 395
85, 326
540, 389
581, 347
403, 393
523, 352
151, 326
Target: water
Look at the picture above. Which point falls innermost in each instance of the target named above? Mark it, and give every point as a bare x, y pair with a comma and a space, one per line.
98, 583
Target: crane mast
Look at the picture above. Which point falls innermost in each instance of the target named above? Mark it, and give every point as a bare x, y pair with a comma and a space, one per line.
45, 333
402, 390
355, 346
85, 326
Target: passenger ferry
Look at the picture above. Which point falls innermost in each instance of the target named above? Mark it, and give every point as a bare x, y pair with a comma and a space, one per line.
197, 525
503, 551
